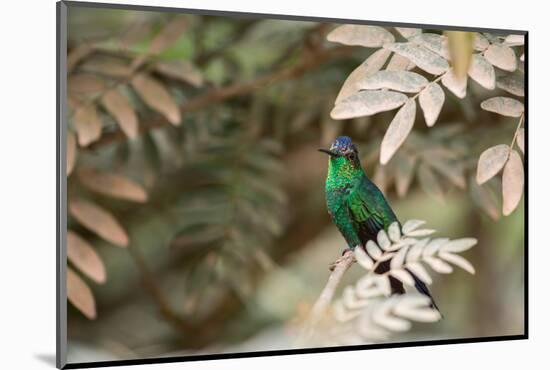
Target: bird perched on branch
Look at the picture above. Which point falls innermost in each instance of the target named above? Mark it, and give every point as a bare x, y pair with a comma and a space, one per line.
358, 207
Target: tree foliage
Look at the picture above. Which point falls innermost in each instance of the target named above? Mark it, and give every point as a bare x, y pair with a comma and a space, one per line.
427, 60
191, 146
367, 309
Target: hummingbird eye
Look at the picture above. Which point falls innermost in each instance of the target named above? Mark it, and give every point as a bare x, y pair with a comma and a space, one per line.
351, 155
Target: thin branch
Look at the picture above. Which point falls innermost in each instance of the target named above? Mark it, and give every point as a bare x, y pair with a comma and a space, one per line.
309, 61
238, 34
516, 132
323, 302
158, 296
431, 82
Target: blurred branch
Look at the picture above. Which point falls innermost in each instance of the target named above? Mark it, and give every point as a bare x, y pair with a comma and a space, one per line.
313, 40
156, 293
197, 333
238, 35
310, 60
338, 268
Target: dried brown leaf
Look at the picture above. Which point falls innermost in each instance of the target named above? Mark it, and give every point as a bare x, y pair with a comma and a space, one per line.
514, 40
76, 55
371, 65
157, 97
521, 139
118, 105
403, 81
458, 261
399, 63
504, 106
367, 103
491, 162
137, 31
457, 85
419, 270
168, 35
397, 132
501, 56
439, 265
113, 185
80, 295
512, 83
84, 83
360, 35
420, 56
404, 276
458, 245
98, 220
181, 70
408, 32
434, 42
482, 72
72, 103
431, 101
108, 67
512, 183
480, 42
72, 152
87, 123
85, 258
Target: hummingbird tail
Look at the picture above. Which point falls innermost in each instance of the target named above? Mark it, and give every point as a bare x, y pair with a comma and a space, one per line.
422, 288
397, 286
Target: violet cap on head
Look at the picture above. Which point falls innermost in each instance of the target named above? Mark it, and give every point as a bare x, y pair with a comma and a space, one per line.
341, 146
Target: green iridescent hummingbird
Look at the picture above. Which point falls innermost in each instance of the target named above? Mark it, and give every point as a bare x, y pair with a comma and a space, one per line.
357, 207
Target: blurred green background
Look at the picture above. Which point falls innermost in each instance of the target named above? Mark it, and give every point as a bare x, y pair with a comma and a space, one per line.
233, 244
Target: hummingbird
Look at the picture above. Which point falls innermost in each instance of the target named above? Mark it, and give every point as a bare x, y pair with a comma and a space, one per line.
358, 208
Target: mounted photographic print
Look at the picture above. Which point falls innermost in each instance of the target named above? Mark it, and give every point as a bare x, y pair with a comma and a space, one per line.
235, 184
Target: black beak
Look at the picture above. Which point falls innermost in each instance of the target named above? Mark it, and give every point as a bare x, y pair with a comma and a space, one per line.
329, 152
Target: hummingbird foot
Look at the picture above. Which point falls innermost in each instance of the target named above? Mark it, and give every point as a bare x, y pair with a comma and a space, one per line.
344, 257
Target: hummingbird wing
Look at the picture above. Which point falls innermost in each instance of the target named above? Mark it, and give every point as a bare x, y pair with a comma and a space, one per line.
369, 209
371, 213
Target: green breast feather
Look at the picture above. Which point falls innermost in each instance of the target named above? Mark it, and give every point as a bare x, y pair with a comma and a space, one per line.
357, 207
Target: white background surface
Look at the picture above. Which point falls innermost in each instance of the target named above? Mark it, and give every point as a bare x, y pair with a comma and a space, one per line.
27, 207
